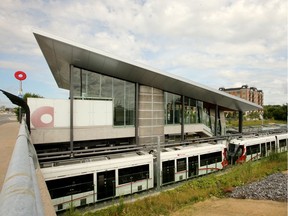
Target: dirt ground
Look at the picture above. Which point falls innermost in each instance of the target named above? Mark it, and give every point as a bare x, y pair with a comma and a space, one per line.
234, 207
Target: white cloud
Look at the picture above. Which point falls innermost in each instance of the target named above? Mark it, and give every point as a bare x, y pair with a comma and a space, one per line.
217, 43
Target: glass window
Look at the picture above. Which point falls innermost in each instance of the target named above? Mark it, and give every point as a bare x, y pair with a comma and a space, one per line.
118, 95
200, 111
178, 109
190, 111
132, 174
268, 146
90, 84
76, 80
282, 143
253, 149
210, 158
173, 108
273, 146
106, 86
169, 108
69, 186
181, 164
130, 103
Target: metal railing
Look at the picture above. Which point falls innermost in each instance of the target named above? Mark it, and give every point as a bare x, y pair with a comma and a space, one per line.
20, 193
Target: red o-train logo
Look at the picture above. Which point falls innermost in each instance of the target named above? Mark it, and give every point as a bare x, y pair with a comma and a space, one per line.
43, 117
20, 75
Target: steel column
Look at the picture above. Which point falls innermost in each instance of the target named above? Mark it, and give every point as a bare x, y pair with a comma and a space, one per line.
216, 120
182, 118
137, 113
71, 95
240, 124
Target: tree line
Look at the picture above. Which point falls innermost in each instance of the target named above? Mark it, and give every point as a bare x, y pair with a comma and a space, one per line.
276, 112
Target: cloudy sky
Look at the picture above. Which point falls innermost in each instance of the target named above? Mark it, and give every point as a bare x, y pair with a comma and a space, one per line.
217, 43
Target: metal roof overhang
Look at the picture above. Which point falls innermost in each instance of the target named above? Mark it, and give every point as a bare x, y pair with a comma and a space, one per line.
60, 54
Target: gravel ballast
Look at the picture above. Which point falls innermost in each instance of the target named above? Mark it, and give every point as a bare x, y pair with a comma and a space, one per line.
273, 187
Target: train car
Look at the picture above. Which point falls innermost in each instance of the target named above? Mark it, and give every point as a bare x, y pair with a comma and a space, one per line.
253, 148
182, 163
98, 179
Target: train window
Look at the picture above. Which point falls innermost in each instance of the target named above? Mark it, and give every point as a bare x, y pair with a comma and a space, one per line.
268, 146
232, 147
273, 145
248, 150
263, 150
181, 164
210, 158
253, 149
282, 143
69, 186
132, 174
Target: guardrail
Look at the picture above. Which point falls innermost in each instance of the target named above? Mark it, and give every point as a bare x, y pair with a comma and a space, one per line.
20, 193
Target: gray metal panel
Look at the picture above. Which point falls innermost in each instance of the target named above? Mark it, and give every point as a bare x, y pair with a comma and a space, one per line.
95, 61
60, 53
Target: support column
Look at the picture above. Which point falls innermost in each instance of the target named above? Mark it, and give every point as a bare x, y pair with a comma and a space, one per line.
216, 120
158, 171
182, 118
71, 96
240, 124
137, 113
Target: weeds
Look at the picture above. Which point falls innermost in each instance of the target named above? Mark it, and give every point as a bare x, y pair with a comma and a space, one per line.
72, 211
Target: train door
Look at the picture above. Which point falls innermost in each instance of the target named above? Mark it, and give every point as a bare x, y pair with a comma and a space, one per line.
273, 147
105, 184
263, 150
193, 166
268, 148
168, 171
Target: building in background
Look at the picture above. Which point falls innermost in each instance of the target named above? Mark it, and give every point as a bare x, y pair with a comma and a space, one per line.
251, 94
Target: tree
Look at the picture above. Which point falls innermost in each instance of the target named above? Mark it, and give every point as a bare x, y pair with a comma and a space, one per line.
25, 96
277, 112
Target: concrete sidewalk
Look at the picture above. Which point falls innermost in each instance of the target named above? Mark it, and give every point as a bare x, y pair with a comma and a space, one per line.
8, 136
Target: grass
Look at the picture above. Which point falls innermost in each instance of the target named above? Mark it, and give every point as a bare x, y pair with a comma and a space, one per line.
234, 123
197, 189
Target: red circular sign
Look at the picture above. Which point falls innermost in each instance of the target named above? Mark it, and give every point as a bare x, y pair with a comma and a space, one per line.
20, 75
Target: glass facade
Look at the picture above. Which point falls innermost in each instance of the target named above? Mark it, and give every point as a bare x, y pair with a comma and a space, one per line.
95, 86
194, 111
191, 113
173, 108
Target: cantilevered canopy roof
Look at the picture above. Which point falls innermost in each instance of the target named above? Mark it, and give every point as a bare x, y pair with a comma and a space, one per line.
60, 54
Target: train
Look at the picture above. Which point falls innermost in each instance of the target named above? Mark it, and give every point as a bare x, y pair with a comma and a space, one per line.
241, 150
106, 177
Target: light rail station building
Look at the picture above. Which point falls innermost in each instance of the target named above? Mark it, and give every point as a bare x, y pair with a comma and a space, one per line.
114, 101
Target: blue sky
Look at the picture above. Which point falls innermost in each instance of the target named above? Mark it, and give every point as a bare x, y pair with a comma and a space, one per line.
218, 43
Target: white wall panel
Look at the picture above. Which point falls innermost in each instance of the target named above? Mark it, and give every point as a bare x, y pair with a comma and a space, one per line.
51, 113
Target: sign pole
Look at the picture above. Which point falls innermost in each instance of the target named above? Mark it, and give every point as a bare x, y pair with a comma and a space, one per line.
20, 75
